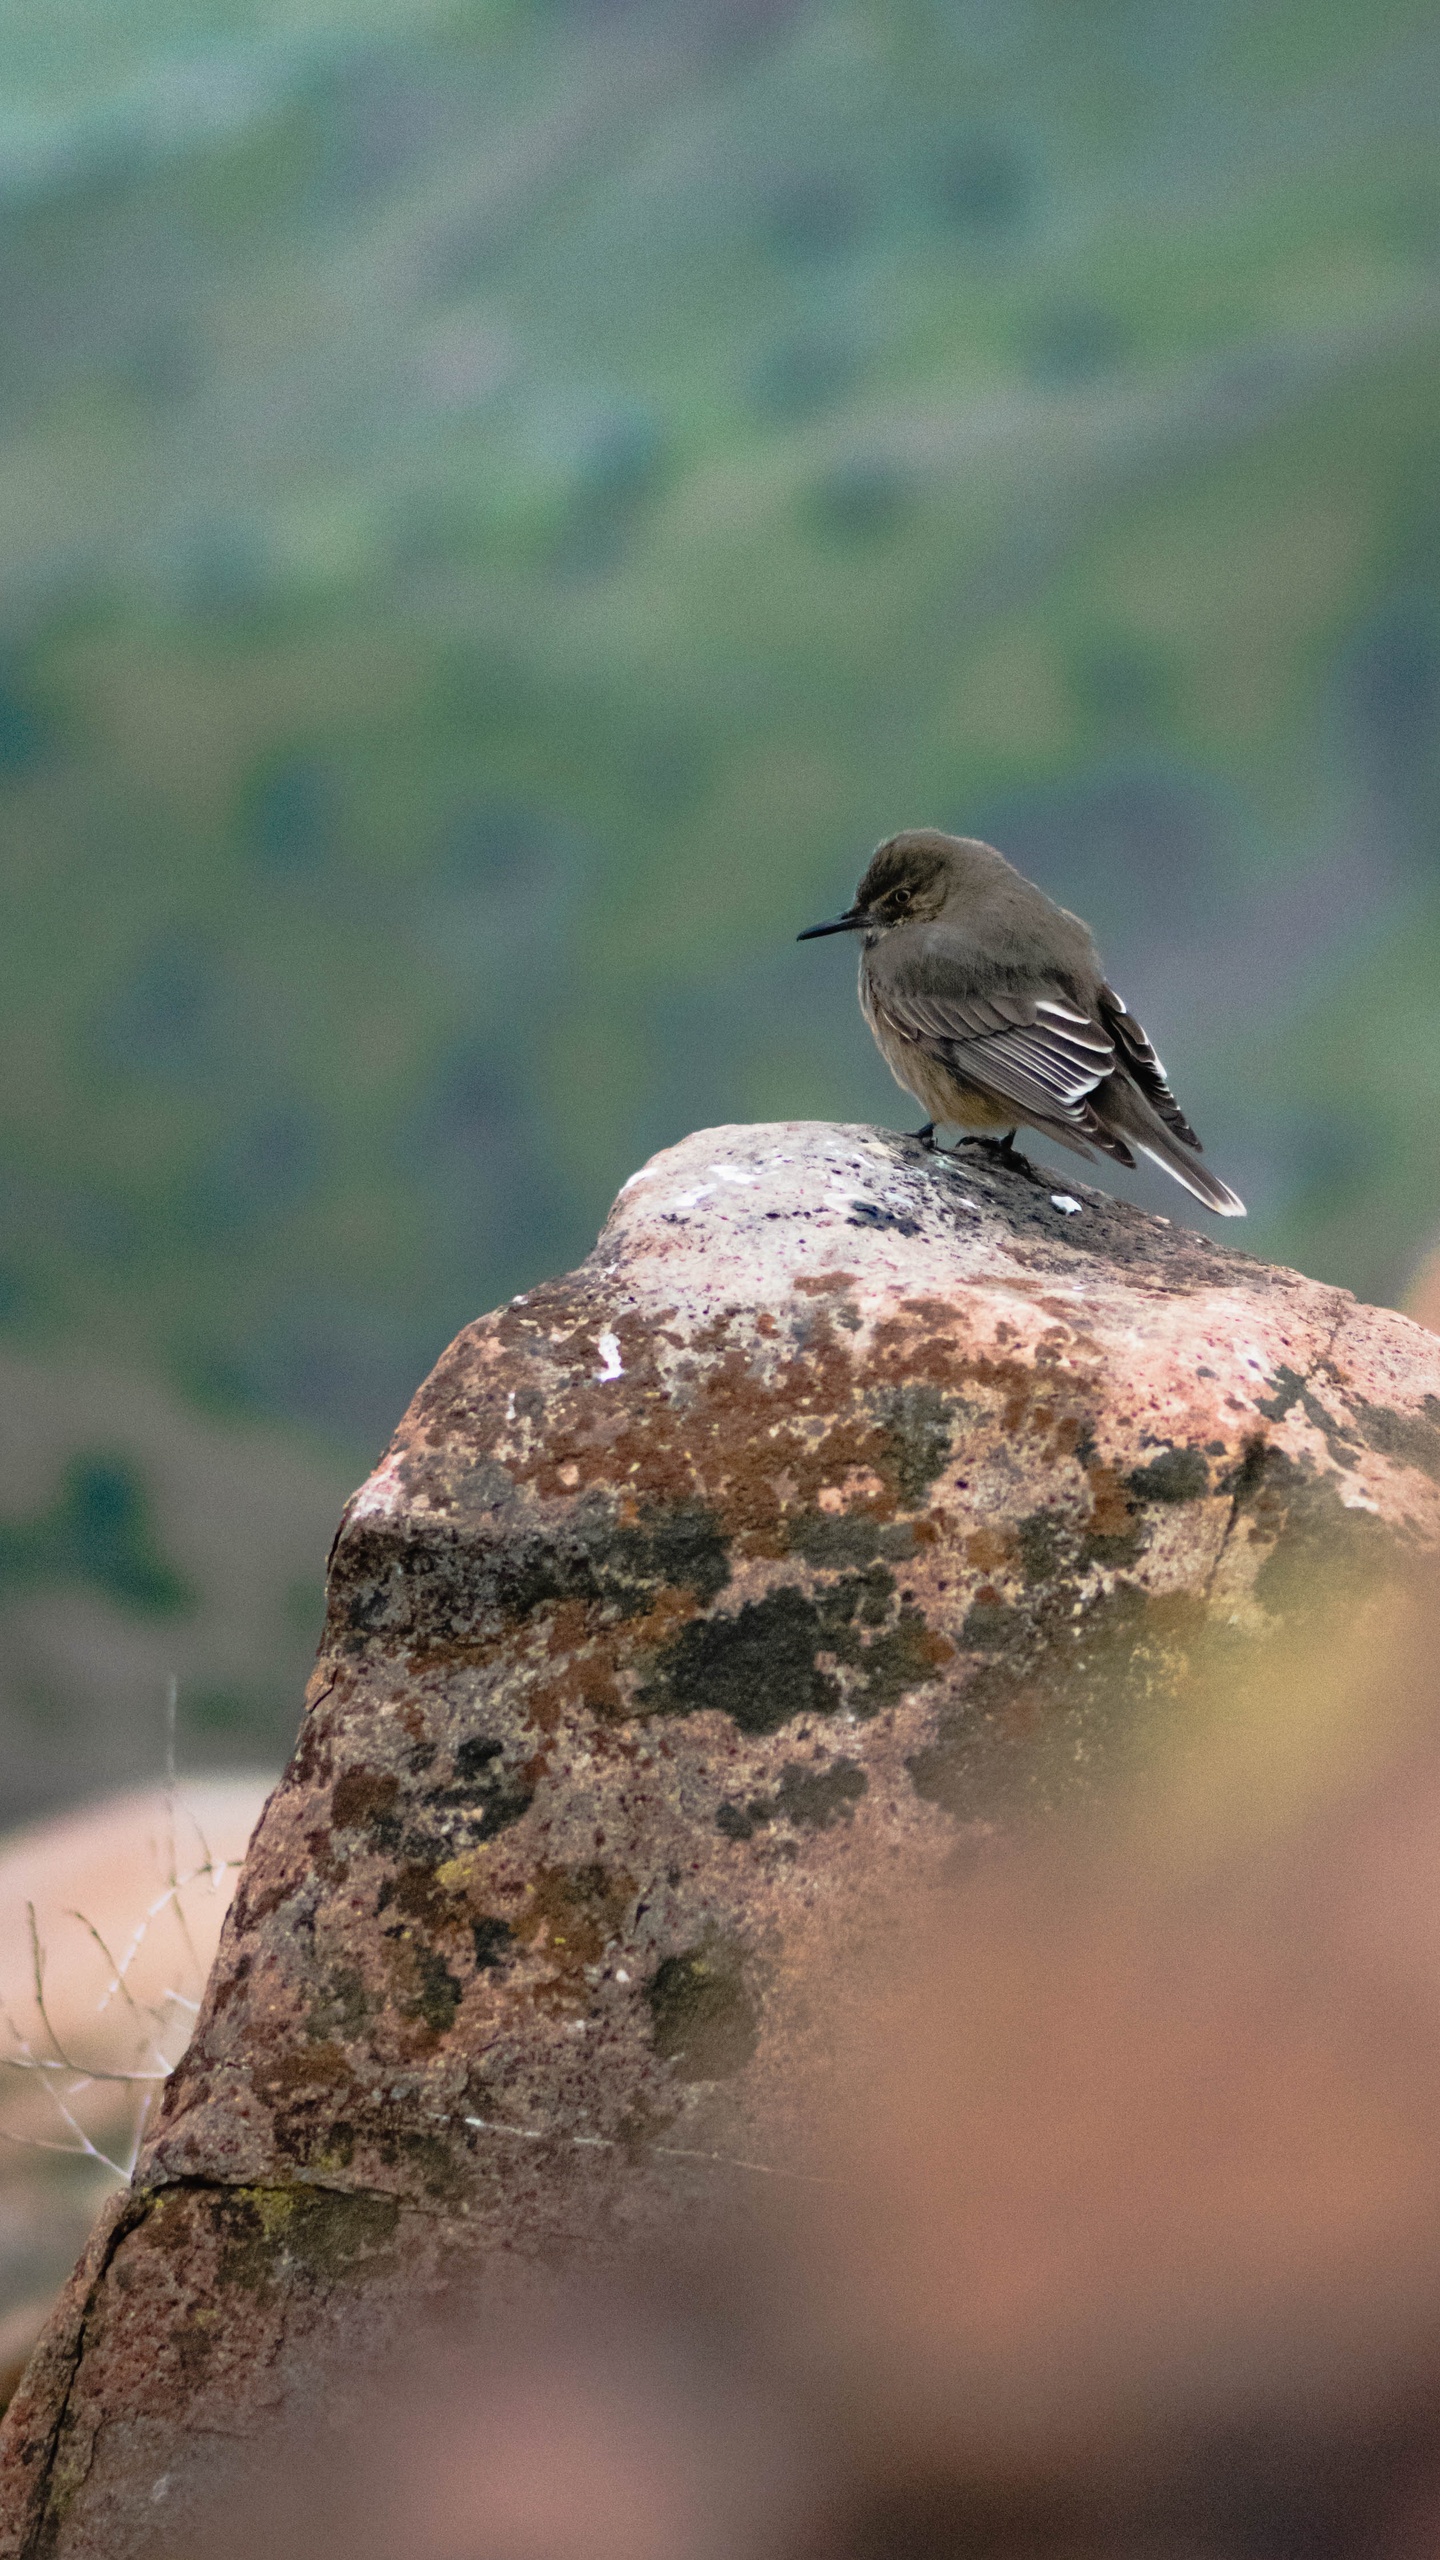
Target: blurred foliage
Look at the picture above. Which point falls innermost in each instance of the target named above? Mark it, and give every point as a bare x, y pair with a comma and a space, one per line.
502, 505
98, 1531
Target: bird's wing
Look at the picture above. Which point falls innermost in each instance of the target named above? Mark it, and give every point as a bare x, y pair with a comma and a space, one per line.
1137, 1056
1037, 1050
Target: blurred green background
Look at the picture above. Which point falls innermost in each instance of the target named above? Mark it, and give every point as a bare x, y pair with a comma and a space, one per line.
500, 507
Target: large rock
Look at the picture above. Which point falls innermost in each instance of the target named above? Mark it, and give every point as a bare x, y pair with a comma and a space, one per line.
844, 1507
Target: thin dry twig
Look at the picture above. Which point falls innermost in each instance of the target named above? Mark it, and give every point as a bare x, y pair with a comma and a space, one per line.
120, 1984
37, 1972
62, 2076
84, 2149
85, 2072
25, 2060
172, 1891
172, 1713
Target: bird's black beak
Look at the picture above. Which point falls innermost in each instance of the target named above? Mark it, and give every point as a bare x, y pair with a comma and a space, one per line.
850, 922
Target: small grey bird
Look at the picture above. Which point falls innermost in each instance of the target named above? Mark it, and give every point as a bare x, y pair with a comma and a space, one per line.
988, 1003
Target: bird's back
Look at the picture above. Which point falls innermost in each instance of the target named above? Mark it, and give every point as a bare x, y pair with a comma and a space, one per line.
986, 936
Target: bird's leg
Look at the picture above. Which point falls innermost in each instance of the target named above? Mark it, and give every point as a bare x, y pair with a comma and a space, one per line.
1004, 1153
926, 1138
1008, 1154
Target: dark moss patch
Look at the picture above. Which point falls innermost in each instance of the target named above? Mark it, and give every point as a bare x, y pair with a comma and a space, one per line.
1241, 1480
493, 1941
454, 1591
866, 1596
1054, 1549
758, 1667
425, 1988
487, 1486
1060, 1707
761, 1669
1113, 1547
1289, 1388
414, 1890
742, 1821
1324, 1552
1046, 1546
1060, 1702
481, 1798
420, 1831
340, 2006
268, 2235
920, 1426
441, 2175
335, 2237
904, 1657
680, 1550
995, 1626
820, 1797
1413, 1439
438, 1995
1177, 1475
1341, 1442
475, 1759
704, 2020
832, 1540
364, 1800
1410, 1440
734, 1823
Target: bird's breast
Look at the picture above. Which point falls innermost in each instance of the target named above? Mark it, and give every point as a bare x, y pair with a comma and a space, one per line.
942, 1094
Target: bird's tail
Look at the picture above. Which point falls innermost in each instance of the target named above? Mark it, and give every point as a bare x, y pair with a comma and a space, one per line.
1206, 1186
1146, 1130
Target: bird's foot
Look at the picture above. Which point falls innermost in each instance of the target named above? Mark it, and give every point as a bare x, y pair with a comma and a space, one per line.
926, 1138
1002, 1152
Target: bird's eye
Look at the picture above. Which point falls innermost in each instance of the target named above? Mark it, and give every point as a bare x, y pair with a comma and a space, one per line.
900, 898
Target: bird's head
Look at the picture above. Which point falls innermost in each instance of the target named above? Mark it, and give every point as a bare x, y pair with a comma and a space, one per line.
910, 879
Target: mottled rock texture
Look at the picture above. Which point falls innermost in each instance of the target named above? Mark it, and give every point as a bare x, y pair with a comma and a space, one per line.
845, 1506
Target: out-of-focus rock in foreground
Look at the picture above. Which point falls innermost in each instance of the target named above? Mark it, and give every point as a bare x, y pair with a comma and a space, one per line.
1129, 2240
845, 1509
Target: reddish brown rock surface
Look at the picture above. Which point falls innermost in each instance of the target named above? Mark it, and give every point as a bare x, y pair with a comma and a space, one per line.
845, 1506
